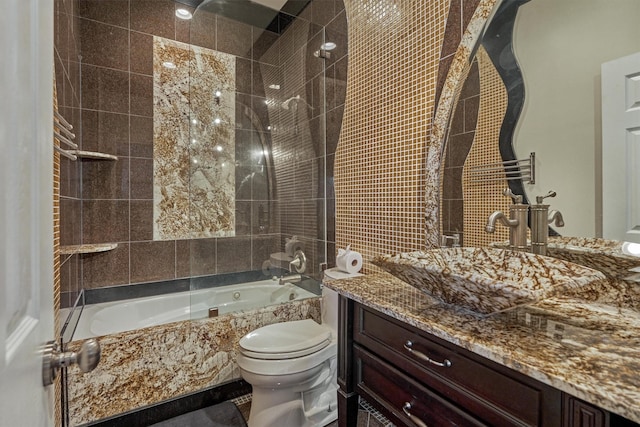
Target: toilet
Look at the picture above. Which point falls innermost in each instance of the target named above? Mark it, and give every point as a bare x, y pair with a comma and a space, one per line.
292, 368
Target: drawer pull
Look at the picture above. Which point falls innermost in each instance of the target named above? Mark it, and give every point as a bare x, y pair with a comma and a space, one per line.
417, 421
408, 346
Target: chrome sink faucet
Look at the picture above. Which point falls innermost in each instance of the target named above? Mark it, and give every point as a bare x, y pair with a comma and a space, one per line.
541, 217
517, 222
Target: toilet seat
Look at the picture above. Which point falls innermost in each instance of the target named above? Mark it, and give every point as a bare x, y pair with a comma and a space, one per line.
285, 340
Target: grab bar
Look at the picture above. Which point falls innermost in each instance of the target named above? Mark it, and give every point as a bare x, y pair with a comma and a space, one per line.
65, 140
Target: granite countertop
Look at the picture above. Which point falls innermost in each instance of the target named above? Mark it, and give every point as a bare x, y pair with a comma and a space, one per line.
590, 350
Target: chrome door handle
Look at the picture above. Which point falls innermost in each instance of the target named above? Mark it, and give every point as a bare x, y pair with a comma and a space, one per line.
417, 421
53, 359
420, 355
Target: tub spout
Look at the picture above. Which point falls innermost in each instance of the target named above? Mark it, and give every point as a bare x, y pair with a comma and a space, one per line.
294, 278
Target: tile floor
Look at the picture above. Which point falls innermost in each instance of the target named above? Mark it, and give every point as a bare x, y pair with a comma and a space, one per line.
367, 415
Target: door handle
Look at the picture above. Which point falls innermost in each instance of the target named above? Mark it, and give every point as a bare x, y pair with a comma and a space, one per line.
87, 358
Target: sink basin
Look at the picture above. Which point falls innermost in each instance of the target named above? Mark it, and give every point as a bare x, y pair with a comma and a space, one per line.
488, 280
612, 257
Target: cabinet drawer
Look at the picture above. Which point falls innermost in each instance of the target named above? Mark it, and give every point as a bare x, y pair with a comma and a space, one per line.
480, 387
392, 390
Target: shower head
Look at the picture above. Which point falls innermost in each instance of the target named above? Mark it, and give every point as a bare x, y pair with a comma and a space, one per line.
286, 105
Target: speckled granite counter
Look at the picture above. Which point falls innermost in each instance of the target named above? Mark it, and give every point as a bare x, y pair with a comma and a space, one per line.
589, 350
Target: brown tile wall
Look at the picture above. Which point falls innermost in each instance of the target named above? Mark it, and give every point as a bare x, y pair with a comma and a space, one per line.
117, 118
67, 77
460, 138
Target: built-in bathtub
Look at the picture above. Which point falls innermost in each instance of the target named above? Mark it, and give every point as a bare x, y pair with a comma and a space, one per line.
136, 313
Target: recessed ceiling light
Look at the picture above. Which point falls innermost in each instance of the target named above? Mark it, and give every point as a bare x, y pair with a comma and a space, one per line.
168, 64
274, 86
328, 46
183, 14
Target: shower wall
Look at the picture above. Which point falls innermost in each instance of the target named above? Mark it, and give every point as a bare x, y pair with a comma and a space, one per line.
67, 77
113, 111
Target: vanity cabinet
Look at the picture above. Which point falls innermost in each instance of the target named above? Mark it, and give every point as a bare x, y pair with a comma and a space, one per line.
417, 379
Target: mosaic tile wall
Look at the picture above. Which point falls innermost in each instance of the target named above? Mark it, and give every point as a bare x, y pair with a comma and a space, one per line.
387, 171
481, 199
394, 50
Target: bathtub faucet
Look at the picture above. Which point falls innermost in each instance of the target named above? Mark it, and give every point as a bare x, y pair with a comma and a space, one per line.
294, 278
299, 262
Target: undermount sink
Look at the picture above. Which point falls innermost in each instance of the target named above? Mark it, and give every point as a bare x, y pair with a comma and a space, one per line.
488, 280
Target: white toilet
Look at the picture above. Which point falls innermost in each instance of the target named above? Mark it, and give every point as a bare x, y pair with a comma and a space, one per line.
292, 367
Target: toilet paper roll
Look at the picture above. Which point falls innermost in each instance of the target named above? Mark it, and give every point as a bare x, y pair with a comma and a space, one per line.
349, 261
292, 245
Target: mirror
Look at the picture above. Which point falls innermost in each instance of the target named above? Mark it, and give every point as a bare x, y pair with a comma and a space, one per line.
548, 56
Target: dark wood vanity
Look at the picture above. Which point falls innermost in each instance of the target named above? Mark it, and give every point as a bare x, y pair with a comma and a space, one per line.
417, 379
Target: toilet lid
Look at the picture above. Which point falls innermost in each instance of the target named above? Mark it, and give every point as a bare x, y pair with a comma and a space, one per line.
285, 340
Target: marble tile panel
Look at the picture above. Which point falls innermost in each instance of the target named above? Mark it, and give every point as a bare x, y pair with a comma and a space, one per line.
194, 142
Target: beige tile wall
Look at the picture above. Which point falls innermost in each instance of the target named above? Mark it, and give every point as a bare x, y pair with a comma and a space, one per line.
388, 158
394, 50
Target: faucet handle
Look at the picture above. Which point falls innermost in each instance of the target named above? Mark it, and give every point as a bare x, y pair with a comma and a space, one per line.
516, 198
539, 199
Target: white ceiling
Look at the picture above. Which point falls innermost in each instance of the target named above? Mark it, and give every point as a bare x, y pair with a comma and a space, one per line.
273, 4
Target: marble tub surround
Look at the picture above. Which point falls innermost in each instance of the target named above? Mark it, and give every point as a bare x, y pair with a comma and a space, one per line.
147, 366
194, 91
487, 280
590, 351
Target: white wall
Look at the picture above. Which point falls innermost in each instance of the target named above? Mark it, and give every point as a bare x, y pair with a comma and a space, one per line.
560, 45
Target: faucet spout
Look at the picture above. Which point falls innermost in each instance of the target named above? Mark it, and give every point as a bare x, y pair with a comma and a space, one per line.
499, 216
557, 217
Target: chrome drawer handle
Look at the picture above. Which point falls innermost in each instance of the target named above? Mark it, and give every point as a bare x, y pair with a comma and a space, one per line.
417, 421
408, 346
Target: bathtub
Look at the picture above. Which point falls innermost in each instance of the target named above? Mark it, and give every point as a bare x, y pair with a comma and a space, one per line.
126, 315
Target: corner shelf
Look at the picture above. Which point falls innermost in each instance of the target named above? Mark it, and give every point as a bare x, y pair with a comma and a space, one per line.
87, 249
94, 155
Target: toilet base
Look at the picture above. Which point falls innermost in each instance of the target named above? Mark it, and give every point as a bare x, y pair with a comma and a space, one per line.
311, 404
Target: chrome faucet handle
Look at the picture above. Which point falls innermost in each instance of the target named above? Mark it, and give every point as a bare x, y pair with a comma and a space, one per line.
539, 199
516, 198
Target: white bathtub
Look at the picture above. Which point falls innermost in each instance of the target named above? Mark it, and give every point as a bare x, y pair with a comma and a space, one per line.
126, 315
